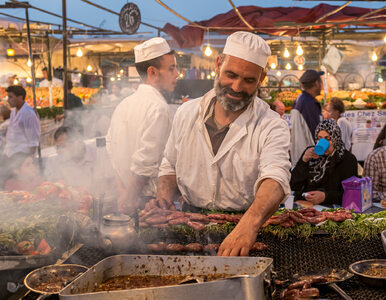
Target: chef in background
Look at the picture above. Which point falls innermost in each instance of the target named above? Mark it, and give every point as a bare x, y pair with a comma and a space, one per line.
228, 150
141, 124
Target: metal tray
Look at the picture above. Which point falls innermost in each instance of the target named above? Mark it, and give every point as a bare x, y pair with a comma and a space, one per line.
13, 262
255, 284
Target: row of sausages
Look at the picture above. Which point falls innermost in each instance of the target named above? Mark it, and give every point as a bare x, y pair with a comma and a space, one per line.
160, 218
303, 289
307, 215
195, 247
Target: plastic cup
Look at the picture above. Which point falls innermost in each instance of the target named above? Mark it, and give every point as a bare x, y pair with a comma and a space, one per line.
321, 146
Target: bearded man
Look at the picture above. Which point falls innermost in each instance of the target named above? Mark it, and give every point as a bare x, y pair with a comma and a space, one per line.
228, 150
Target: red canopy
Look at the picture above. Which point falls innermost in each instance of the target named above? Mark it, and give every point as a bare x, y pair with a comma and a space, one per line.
263, 20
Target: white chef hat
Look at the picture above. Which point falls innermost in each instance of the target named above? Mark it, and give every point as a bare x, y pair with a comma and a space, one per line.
150, 49
248, 46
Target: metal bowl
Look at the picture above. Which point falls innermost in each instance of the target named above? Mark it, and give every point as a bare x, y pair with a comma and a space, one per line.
361, 266
52, 273
383, 236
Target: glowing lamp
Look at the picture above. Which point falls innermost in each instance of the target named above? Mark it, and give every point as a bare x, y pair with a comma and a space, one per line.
286, 53
89, 68
273, 66
374, 57
10, 52
79, 53
29, 63
299, 50
288, 66
208, 51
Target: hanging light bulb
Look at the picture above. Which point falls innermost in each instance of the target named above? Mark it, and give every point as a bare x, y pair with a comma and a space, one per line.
208, 77
79, 74
10, 51
208, 51
112, 78
384, 39
380, 79
89, 68
181, 75
79, 53
288, 66
16, 82
273, 65
29, 63
278, 73
299, 50
118, 75
300, 67
212, 74
29, 79
286, 53
374, 57
121, 71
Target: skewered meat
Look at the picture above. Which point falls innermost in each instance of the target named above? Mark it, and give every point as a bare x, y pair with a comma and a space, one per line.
199, 217
175, 215
258, 246
196, 225
156, 220
175, 248
179, 221
194, 247
211, 248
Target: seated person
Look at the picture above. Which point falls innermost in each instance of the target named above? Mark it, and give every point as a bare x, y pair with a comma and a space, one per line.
74, 162
321, 176
375, 167
22, 173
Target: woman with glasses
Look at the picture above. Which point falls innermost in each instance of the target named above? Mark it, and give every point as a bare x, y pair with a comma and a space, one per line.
317, 178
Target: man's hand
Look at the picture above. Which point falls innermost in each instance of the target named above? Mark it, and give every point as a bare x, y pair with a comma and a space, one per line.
316, 197
242, 238
239, 241
310, 153
166, 188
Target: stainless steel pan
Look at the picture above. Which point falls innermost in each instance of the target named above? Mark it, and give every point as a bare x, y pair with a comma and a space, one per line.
360, 266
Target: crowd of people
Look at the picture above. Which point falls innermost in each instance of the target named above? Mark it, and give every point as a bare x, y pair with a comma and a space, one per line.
227, 150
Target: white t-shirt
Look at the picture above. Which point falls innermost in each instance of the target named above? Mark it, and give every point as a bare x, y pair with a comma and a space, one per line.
346, 129
54, 83
23, 131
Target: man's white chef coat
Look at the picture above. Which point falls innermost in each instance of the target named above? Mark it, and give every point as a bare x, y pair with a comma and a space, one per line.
23, 131
56, 82
255, 148
138, 132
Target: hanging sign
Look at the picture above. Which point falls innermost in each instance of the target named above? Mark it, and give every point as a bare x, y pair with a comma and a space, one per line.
129, 18
299, 60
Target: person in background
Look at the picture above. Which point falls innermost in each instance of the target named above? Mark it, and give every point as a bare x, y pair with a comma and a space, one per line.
5, 114
375, 167
141, 124
23, 133
228, 150
306, 114
73, 114
335, 109
22, 173
279, 107
74, 160
317, 179
46, 82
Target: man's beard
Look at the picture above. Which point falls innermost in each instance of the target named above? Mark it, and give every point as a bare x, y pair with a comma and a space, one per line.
228, 103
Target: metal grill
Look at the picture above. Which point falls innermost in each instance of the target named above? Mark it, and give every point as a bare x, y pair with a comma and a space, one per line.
299, 256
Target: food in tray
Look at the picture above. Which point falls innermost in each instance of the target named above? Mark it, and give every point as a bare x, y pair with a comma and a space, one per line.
378, 271
359, 103
129, 282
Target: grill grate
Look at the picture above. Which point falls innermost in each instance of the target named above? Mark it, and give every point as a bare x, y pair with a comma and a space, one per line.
298, 256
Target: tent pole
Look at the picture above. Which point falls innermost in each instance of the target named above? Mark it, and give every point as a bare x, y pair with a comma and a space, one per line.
32, 70
65, 79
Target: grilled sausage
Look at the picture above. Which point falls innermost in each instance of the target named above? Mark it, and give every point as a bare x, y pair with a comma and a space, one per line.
297, 285
258, 246
217, 216
156, 220
157, 247
160, 225
211, 248
218, 221
317, 279
194, 247
143, 224
297, 217
196, 225
287, 224
290, 294
310, 292
175, 248
175, 215
315, 219
179, 221
199, 218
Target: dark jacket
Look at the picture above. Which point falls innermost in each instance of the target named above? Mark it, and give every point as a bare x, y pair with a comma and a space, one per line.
330, 184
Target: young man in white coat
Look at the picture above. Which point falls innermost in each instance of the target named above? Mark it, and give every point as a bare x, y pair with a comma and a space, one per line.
228, 150
141, 124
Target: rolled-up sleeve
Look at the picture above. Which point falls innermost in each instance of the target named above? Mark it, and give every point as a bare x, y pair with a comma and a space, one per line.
32, 129
146, 159
274, 157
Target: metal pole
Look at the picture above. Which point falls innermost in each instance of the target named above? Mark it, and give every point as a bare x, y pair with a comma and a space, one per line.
65, 79
32, 69
49, 73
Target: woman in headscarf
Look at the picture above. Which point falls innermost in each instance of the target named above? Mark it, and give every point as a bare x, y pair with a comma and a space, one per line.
317, 179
